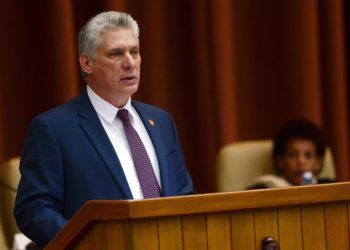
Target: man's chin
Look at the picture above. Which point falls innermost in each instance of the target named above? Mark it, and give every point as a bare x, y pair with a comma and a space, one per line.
131, 89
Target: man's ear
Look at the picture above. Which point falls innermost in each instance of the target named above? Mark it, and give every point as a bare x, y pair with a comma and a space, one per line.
85, 63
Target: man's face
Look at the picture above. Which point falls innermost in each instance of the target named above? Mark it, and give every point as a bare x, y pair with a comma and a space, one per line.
115, 73
299, 156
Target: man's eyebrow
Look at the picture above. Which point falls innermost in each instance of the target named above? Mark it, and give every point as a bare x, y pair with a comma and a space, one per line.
123, 48
115, 49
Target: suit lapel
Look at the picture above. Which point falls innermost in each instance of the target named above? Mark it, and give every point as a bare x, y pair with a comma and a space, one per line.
92, 126
152, 128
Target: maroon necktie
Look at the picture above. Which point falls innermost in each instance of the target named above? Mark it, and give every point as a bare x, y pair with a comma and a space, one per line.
143, 166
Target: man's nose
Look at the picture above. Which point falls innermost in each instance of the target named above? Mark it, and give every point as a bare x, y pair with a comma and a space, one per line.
128, 62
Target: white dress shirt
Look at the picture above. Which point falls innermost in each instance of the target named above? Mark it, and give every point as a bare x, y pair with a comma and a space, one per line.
113, 126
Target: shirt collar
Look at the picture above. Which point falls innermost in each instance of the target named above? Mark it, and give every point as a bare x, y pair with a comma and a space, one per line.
106, 110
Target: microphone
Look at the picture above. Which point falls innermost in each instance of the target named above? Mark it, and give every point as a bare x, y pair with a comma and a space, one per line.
308, 178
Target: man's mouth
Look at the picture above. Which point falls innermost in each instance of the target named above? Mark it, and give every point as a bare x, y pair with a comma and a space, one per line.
128, 78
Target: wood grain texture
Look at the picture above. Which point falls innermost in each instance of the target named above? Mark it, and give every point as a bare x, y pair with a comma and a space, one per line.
217, 202
337, 225
97, 236
194, 232
118, 233
290, 228
242, 230
348, 215
219, 231
313, 226
82, 244
192, 205
90, 213
266, 225
170, 233
145, 234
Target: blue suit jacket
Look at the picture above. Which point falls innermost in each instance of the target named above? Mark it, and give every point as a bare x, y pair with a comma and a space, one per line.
68, 159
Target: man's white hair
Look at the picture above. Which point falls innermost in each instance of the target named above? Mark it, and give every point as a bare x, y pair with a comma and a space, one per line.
89, 39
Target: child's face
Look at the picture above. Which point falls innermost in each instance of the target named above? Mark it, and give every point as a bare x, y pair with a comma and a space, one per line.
300, 156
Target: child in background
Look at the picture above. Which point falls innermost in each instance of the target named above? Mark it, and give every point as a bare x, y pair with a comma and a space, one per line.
298, 152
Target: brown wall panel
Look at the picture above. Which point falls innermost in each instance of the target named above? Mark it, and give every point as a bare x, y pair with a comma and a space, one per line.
219, 231
170, 233
266, 225
242, 229
290, 229
194, 232
117, 234
145, 234
314, 234
337, 225
97, 236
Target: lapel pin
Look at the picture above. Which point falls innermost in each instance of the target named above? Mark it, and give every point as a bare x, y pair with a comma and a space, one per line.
151, 122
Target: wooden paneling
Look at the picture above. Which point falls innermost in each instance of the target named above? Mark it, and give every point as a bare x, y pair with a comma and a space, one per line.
266, 225
313, 227
117, 233
170, 233
337, 227
83, 243
203, 221
242, 230
145, 234
290, 229
348, 216
219, 231
97, 236
194, 232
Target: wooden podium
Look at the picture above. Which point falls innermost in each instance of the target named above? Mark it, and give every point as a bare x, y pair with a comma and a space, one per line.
310, 217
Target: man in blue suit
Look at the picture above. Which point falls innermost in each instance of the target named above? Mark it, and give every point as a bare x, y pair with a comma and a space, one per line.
84, 150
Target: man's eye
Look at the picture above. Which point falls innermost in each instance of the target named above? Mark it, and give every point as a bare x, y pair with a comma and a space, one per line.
116, 53
134, 52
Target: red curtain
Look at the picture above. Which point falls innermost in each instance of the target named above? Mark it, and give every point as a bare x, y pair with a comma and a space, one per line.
227, 70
